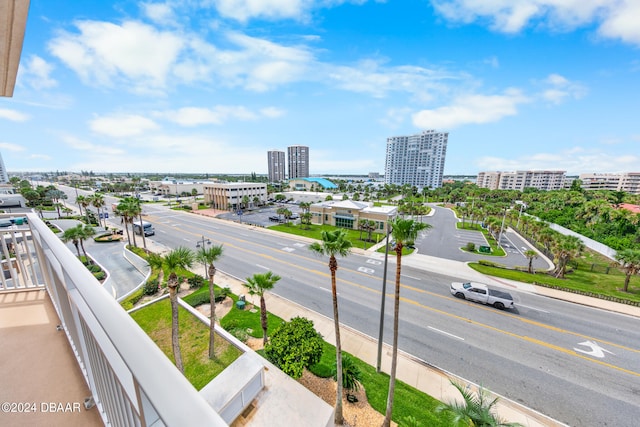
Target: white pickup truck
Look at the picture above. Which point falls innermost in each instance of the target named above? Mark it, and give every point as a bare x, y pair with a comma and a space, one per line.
481, 293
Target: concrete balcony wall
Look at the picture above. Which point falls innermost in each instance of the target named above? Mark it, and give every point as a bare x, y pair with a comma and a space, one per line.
131, 381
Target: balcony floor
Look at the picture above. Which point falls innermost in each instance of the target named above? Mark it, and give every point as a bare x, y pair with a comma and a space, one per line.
37, 366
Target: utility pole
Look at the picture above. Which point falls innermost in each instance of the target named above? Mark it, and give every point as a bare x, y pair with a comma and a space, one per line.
201, 244
383, 299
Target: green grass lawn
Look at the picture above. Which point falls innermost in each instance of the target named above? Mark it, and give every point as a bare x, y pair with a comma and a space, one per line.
314, 231
155, 320
408, 401
581, 279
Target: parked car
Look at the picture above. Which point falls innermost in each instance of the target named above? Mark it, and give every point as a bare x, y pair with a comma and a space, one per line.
482, 293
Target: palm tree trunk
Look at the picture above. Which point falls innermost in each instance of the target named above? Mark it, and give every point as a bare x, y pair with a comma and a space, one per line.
263, 319
338, 419
175, 333
394, 354
212, 316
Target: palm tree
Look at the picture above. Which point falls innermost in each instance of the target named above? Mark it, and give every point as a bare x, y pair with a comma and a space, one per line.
531, 255
403, 231
564, 249
335, 243
71, 235
85, 232
80, 201
475, 411
630, 260
97, 200
207, 256
179, 258
258, 284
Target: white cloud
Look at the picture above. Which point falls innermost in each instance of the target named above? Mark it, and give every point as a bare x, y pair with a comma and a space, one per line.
243, 10
122, 125
373, 78
13, 115
614, 19
7, 146
561, 88
161, 13
36, 72
103, 52
471, 109
272, 112
395, 117
94, 149
194, 116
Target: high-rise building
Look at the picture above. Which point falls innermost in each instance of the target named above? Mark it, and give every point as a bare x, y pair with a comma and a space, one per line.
276, 165
298, 161
3, 171
417, 160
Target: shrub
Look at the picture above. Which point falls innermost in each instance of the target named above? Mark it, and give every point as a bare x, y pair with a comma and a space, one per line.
240, 334
351, 374
471, 247
150, 287
195, 300
294, 346
94, 268
196, 281
100, 275
132, 299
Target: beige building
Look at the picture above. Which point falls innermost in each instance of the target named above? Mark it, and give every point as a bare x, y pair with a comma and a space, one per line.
230, 195
519, 180
348, 213
628, 182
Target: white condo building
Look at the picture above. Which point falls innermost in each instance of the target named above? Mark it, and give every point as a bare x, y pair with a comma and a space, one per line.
628, 182
277, 165
298, 161
417, 160
519, 180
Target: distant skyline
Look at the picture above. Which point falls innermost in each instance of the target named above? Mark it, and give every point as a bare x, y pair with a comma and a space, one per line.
212, 86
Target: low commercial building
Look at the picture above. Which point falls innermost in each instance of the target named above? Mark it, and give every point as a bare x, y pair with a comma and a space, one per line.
311, 184
235, 195
349, 213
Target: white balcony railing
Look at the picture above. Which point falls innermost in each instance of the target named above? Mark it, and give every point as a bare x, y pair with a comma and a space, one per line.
131, 380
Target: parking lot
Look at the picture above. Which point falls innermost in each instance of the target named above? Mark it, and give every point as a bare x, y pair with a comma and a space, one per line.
264, 217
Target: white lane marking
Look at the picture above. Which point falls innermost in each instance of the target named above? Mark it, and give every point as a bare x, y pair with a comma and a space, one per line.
533, 308
596, 350
262, 266
186, 240
374, 261
366, 270
299, 245
410, 277
446, 333
288, 249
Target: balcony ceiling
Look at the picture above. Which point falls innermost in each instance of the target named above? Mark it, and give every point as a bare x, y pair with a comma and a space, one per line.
13, 20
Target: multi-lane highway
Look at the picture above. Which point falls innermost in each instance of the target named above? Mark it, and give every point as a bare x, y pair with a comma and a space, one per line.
576, 364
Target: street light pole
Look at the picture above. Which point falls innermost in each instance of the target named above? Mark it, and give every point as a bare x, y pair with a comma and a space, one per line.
383, 298
502, 228
201, 244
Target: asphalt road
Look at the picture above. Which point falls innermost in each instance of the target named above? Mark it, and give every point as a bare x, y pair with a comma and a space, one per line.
576, 364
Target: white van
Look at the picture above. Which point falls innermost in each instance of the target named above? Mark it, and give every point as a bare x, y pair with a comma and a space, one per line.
146, 226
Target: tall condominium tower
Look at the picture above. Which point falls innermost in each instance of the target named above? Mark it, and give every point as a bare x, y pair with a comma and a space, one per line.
417, 160
298, 161
3, 171
276, 165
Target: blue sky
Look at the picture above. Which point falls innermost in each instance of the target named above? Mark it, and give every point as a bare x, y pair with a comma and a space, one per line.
211, 85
